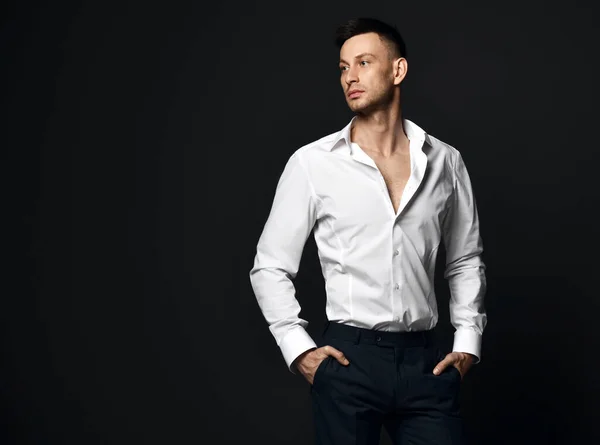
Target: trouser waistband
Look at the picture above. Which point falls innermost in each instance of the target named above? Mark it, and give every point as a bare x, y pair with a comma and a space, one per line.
375, 337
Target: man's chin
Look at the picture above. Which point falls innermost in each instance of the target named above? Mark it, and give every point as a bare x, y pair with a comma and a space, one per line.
355, 104
357, 108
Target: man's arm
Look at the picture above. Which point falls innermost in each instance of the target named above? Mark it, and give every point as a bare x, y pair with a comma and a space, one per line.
292, 217
465, 270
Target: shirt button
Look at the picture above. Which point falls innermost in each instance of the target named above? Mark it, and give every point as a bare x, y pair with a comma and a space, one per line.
378, 338
397, 286
396, 252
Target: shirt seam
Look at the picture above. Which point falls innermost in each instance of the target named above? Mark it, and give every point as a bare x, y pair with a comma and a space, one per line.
452, 197
454, 162
312, 188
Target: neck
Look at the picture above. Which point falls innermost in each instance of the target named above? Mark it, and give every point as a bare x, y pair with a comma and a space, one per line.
380, 132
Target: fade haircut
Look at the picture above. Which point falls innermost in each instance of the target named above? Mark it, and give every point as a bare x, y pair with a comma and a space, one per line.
362, 25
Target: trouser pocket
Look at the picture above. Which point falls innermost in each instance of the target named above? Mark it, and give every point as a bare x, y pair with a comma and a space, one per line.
321, 369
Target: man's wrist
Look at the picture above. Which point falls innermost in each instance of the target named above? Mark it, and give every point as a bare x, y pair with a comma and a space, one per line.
471, 357
300, 357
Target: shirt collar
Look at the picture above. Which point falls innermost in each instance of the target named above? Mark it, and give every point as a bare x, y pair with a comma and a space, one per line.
412, 130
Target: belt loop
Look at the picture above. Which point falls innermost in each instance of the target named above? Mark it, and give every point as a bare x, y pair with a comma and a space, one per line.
357, 336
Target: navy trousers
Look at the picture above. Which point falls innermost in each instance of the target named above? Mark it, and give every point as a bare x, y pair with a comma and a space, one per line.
389, 383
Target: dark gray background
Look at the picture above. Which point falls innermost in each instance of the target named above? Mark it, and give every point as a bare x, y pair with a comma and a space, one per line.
141, 146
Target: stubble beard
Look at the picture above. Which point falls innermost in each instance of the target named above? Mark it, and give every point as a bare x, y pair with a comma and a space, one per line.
366, 106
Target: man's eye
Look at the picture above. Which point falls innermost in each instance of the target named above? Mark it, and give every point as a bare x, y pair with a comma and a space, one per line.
342, 68
364, 61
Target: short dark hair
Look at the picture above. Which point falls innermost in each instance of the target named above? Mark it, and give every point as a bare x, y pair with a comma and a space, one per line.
363, 25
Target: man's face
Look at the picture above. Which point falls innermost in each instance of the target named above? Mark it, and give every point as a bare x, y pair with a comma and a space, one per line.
366, 66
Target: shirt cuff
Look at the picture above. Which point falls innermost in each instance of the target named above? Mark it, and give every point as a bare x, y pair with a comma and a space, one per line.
295, 343
467, 340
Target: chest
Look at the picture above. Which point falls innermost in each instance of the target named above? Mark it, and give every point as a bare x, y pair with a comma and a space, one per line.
396, 172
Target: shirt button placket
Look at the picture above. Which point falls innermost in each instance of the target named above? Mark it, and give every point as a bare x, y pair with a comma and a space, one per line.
396, 286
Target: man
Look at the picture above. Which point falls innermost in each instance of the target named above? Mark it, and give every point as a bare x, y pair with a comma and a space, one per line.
381, 194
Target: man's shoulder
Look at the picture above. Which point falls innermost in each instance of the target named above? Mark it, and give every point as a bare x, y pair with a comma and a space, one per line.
443, 147
433, 144
321, 145
317, 148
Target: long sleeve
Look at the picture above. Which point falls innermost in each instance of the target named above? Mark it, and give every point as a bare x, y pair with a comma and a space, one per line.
279, 250
465, 270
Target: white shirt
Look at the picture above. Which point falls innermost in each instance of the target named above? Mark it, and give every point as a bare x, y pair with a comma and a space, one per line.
378, 265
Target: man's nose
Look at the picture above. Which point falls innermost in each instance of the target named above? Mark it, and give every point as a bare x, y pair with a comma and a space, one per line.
351, 75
